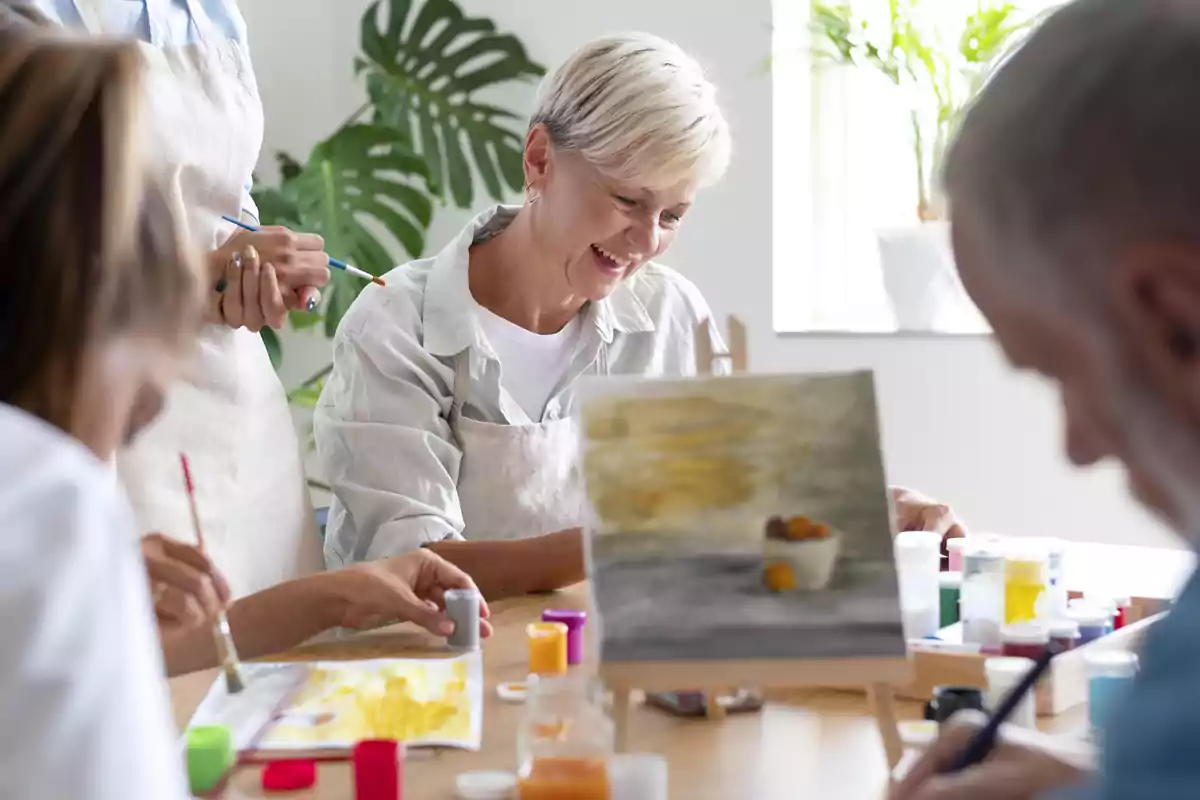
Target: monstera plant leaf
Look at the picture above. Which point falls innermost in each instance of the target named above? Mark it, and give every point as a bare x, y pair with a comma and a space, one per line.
362, 179
423, 70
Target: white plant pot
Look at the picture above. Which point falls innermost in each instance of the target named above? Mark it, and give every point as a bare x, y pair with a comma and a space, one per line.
812, 560
920, 278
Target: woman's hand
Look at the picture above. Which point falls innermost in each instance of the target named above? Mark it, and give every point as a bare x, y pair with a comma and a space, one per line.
407, 588
186, 587
1011, 772
259, 275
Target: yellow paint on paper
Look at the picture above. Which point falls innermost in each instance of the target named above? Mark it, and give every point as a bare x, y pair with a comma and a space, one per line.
411, 700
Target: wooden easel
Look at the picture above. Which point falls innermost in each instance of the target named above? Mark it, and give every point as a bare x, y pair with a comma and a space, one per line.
878, 675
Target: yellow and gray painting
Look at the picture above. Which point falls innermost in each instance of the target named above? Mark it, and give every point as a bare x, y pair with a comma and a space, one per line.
682, 476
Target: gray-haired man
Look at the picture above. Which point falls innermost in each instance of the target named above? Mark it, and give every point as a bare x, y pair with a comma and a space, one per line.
1075, 194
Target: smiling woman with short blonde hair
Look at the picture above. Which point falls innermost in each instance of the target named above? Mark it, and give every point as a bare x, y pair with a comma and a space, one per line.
447, 421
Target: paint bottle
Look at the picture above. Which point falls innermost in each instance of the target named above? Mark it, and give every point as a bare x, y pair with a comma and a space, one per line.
981, 602
1064, 634
918, 564
1056, 585
949, 591
1104, 602
547, 648
1092, 622
462, 606
564, 741
1024, 640
954, 553
575, 621
1003, 675
1121, 618
1110, 674
949, 700
638, 776
1025, 582
210, 756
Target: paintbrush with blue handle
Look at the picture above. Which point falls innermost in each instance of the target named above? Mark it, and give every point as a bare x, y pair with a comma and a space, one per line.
333, 262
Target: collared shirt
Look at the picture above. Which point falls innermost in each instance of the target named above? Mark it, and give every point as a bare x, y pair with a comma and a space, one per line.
381, 426
174, 26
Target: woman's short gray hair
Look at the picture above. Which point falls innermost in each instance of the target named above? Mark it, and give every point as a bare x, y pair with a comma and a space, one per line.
1090, 131
638, 108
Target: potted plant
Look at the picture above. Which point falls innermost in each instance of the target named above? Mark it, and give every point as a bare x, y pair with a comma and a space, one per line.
423, 136
941, 68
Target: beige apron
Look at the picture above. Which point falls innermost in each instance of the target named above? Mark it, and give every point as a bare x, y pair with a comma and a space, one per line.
202, 129
517, 481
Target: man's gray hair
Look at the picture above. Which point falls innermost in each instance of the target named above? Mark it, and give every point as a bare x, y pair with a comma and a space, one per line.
1092, 126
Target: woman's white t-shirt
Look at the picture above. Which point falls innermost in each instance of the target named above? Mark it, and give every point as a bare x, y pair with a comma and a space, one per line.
84, 709
531, 364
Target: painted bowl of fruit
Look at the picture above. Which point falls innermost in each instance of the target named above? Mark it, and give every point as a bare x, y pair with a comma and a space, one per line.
799, 554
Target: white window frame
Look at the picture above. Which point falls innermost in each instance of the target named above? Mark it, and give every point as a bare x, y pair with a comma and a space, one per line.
827, 163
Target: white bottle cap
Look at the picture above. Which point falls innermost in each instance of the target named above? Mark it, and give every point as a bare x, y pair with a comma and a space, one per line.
638, 776
485, 785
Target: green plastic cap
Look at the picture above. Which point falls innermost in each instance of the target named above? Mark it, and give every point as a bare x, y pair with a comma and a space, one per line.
209, 757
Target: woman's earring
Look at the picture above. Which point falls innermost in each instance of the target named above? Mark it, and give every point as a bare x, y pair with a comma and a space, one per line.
531, 194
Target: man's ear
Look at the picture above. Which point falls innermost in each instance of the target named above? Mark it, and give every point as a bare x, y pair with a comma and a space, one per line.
1157, 298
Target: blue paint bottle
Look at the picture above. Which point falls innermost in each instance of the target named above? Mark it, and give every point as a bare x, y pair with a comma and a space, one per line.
1109, 674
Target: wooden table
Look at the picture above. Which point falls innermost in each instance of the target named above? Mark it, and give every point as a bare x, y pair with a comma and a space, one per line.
809, 743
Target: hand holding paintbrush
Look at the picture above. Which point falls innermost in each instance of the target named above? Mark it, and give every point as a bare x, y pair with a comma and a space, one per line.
226, 652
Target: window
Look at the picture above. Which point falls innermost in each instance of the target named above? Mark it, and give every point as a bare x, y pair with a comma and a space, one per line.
850, 251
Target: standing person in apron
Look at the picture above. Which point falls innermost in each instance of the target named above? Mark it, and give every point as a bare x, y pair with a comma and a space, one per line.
447, 422
201, 128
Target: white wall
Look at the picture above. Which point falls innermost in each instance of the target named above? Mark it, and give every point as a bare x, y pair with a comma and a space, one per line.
957, 422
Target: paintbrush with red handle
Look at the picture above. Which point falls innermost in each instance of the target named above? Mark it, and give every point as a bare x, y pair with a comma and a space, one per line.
226, 652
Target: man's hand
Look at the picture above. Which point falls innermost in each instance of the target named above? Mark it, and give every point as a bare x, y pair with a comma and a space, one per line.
186, 587
1011, 772
407, 588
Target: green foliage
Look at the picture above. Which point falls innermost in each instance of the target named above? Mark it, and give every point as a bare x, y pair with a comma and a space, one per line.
943, 69
384, 176
424, 83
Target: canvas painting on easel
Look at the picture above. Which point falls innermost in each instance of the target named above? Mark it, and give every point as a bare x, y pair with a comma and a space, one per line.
739, 518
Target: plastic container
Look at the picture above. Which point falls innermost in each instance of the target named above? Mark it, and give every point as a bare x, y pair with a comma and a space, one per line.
638, 776
1121, 619
1064, 634
1024, 640
1056, 586
575, 620
462, 606
918, 564
981, 602
1110, 673
209, 757
565, 741
949, 700
1025, 582
949, 591
954, 553
1105, 603
1092, 622
547, 648
1003, 674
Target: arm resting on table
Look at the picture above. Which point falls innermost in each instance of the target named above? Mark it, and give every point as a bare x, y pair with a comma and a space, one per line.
270, 621
521, 566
